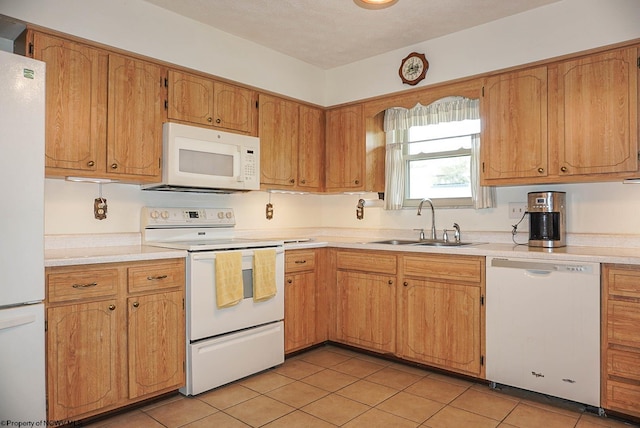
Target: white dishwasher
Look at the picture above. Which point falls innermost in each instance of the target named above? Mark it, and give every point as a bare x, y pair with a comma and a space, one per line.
543, 327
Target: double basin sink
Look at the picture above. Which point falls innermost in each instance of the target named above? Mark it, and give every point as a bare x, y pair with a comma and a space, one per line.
424, 242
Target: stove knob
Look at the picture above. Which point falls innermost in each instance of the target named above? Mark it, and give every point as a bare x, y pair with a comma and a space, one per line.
154, 214
165, 214
220, 215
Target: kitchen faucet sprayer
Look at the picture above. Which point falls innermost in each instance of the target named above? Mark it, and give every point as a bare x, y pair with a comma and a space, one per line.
433, 216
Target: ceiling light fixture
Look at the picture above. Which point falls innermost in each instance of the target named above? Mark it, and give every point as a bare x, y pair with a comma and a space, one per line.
375, 4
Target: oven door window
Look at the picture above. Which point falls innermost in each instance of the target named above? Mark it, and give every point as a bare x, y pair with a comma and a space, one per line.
247, 283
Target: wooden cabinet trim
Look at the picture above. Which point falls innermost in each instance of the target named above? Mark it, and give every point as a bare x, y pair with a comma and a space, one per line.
367, 261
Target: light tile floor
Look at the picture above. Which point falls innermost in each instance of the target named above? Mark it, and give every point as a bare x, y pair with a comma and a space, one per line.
331, 386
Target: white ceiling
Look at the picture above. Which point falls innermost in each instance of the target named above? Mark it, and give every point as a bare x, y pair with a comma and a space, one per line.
331, 33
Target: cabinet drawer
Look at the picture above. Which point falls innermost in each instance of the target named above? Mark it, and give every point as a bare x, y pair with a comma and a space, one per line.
623, 323
623, 364
366, 262
298, 261
450, 268
623, 282
154, 276
69, 284
623, 396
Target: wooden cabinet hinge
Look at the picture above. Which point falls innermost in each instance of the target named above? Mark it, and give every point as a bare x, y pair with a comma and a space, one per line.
483, 167
257, 104
30, 48
482, 360
166, 82
483, 91
166, 104
639, 62
481, 300
46, 325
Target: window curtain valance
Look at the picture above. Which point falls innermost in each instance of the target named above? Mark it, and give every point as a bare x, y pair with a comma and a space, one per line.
398, 120
451, 109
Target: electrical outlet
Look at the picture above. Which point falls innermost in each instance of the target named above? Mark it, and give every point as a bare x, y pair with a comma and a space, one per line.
517, 209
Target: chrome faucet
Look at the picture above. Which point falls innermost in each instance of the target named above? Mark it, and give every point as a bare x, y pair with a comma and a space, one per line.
433, 216
457, 233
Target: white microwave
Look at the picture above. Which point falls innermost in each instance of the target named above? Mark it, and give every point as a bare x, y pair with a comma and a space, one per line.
206, 160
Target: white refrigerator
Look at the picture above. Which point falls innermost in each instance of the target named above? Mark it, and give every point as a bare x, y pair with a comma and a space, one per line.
22, 336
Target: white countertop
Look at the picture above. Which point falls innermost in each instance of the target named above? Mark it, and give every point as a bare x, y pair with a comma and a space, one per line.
110, 248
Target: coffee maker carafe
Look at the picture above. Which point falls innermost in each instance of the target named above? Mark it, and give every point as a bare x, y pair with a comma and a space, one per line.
547, 219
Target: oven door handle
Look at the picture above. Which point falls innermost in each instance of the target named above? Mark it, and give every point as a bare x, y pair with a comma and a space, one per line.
211, 255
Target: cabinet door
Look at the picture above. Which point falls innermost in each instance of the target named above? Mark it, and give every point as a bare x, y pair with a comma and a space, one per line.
83, 368
156, 342
136, 113
366, 314
311, 149
594, 109
233, 107
345, 149
190, 98
76, 103
278, 130
442, 325
299, 311
514, 128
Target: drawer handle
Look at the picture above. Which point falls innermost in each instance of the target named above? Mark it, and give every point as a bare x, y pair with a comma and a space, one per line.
300, 262
156, 278
91, 284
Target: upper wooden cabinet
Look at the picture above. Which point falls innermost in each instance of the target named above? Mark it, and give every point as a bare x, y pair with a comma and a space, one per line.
203, 101
134, 117
345, 149
593, 114
291, 144
570, 121
514, 125
104, 112
76, 105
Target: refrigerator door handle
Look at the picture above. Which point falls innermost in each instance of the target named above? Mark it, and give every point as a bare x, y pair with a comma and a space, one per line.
17, 321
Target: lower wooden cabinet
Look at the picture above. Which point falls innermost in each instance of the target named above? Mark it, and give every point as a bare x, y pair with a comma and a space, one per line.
366, 300
300, 300
111, 339
620, 339
441, 311
425, 308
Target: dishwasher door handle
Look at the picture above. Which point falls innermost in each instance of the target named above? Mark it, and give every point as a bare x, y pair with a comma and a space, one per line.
519, 264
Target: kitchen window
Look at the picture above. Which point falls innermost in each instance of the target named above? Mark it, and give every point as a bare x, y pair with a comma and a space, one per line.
433, 152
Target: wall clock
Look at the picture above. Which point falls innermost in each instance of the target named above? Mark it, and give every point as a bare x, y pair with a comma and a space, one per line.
413, 68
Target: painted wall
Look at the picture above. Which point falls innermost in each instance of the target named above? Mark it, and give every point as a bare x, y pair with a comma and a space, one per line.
564, 27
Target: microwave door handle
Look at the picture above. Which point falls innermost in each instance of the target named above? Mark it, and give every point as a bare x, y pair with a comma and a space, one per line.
240, 176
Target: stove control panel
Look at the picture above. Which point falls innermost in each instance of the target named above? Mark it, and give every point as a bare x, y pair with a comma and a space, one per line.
154, 217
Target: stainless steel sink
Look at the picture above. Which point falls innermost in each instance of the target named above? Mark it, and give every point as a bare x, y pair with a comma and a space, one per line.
424, 242
432, 243
397, 242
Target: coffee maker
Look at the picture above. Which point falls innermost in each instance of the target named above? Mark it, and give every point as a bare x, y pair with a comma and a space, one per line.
547, 219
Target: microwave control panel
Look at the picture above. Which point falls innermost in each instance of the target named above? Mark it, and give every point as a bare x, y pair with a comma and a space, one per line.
250, 166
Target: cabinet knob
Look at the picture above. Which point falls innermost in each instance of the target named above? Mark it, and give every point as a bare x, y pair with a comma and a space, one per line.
136, 304
112, 307
114, 166
91, 163
292, 181
563, 169
405, 283
209, 119
303, 181
289, 281
540, 170
357, 181
390, 282
218, 120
